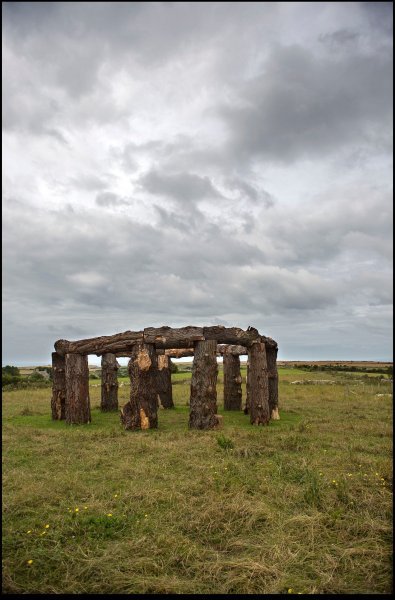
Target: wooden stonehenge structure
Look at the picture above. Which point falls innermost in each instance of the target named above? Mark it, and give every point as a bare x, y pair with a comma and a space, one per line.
150, 352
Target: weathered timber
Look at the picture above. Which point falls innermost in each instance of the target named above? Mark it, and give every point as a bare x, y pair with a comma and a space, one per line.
58, 400
269, 342
232, 382
271, 355
179, 352
248, 394
109, 382
100, 345
77, 390
203, 400
221, 348
258, 385
168, 337
231, 335
164, 381
141, 410
237, 350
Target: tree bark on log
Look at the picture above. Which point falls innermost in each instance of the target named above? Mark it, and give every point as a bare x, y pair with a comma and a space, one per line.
232, 382
169, 337
77, 390
248, 395
258, 385
58, 400
109, 383
231, 335
232, 349
203, 400
101, 345
141, 410
164, 381
271, 354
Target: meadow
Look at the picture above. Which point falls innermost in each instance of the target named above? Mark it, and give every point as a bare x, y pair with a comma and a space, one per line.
302, 506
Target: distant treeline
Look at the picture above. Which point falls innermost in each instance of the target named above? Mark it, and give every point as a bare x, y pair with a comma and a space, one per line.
383, 370
11, 376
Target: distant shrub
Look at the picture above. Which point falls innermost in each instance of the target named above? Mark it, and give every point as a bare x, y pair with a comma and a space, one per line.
8, 370
173, 367
35, 376
7, 379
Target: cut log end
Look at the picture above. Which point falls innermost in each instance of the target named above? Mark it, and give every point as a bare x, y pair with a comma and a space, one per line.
143, 360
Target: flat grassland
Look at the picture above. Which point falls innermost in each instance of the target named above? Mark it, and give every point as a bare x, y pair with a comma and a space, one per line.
303, 505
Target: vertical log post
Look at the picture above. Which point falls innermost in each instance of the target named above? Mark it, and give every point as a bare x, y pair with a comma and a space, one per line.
164, 381
259, 385
232, 382
271, 354
141, 410
203, 400
109, 382
58, 400
77, 390
248, 394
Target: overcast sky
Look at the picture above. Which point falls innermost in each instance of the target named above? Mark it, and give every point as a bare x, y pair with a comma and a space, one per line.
174, 163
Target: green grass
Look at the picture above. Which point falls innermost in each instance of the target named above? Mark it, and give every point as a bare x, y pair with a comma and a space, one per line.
303, 504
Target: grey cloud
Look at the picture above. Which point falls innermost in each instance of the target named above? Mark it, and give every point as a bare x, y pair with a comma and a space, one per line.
340, 37
110, 199
305, 106
251, 192
182, 187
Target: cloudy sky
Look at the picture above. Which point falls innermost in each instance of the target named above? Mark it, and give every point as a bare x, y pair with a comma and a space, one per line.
175, 163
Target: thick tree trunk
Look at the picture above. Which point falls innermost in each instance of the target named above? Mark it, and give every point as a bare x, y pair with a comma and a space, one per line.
164, 381
77, 389
109, 383
58, 401
232, 382
248, 393
271, 354
141, 410
258, 385
203, 401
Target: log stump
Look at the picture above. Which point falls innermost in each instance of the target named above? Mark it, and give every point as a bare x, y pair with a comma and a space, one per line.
141, 410
109, 383
77, 390
271, 354
164, 381
258, 385
203, 400
58, 400
232, 382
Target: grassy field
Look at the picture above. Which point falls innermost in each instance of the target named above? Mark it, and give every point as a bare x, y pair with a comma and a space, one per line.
301, 506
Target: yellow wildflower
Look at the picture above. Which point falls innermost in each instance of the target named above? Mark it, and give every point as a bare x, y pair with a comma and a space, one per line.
290, 591
47, 527
29, 531
30, 562
109, 514
116, 496
77, 509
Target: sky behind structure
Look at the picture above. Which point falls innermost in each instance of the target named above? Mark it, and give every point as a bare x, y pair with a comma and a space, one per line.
197, 164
